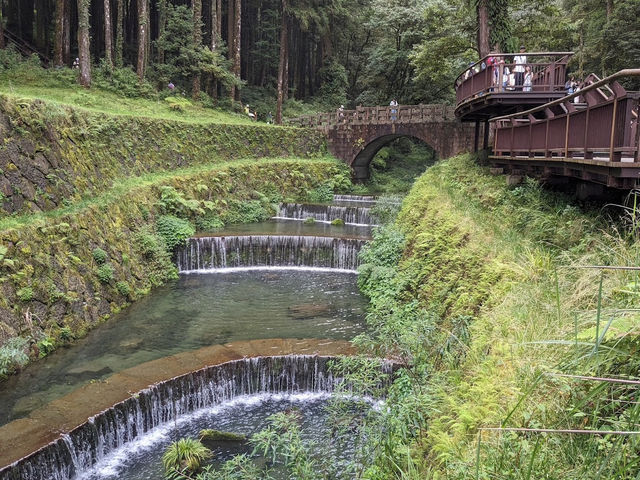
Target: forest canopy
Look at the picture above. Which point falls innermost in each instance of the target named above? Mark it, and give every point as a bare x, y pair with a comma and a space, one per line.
320, 52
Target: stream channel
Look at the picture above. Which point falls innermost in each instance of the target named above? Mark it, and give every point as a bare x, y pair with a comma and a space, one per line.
284, 278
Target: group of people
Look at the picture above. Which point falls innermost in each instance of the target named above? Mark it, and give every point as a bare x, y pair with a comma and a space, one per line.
521, 78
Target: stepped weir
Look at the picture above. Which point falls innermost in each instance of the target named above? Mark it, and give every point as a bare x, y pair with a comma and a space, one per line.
209, 253
66, 438
133, 402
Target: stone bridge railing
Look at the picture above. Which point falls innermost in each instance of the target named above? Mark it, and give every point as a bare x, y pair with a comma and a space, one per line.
377, 116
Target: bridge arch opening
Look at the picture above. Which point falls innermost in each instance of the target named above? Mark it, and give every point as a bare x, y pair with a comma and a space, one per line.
407, 156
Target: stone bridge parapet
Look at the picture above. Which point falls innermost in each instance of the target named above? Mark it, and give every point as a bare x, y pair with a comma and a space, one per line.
355, 136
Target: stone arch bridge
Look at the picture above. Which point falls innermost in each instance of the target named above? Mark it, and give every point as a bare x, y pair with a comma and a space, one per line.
355, 136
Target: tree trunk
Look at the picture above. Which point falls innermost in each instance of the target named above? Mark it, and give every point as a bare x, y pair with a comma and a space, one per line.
162, 26
237, 45
216, 19
483, 28
2, 44
609, 9
84, 43
58, 39
142, 38
282, 70
108, 34
119, 33
66, 36
197, 42
215, 30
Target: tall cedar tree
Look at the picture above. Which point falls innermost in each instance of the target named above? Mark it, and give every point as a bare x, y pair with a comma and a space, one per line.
284, 59
58, 39
84, 43
142, 37
108, 34
197, 42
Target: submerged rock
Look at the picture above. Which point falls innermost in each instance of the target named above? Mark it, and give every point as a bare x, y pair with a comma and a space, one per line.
218, 436
308, 310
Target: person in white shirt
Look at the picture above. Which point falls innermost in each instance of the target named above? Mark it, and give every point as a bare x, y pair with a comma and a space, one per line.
520, 61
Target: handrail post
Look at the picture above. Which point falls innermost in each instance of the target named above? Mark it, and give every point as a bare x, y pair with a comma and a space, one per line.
613, 127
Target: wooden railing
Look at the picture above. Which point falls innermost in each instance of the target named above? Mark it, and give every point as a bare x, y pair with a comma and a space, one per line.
549, 70
598, 122
377, 116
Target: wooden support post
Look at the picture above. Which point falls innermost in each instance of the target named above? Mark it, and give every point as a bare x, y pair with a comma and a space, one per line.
485, 143
476, 139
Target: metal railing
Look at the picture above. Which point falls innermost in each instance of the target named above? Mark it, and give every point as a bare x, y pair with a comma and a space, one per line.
377, 116
493, 74
599, 122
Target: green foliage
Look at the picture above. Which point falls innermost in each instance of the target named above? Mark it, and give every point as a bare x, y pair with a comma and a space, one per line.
123, 288
323, 193
46, 346
309, 221
173, 202
185, 456
174, 231
247, 211
209, 223
337, 222
25, 294
105, 273
13, 356
99, 255
182, 58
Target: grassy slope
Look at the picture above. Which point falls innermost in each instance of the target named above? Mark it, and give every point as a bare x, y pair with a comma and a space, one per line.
27, 81
481, 260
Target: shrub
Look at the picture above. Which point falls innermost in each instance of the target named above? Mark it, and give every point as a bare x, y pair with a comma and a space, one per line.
25, 294
185, 456
105, 273
13, 355
337, 221
159, 267
309, 220
123, 288
209, 222
99, 255
323, 193
246, 212
174, 231
46, 346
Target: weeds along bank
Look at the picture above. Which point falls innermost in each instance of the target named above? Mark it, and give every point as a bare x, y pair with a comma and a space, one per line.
52, 155
476, 287
64, 270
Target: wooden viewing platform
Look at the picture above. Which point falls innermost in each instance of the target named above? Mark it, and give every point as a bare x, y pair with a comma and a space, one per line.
481, 92
591, 135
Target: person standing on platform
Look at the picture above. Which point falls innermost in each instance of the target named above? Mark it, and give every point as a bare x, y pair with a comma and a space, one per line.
520, 61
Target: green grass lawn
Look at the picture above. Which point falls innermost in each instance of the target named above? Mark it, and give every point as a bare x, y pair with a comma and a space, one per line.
59, 86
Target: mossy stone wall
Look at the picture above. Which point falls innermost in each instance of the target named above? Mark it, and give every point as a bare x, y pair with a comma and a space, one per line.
53, 284
52, 155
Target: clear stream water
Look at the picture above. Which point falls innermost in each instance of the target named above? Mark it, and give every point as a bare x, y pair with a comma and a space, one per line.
199, 310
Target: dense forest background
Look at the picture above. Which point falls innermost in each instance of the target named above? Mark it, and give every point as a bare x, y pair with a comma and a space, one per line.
320, 52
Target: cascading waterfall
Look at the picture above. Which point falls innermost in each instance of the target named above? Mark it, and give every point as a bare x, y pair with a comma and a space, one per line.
91, 442
207, 253
325, 213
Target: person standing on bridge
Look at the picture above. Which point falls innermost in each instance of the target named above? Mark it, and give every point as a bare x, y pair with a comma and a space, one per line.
520, 61
394, 109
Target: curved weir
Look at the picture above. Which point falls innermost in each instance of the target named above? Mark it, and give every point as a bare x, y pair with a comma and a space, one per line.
82, 428
360, 216
218, 252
